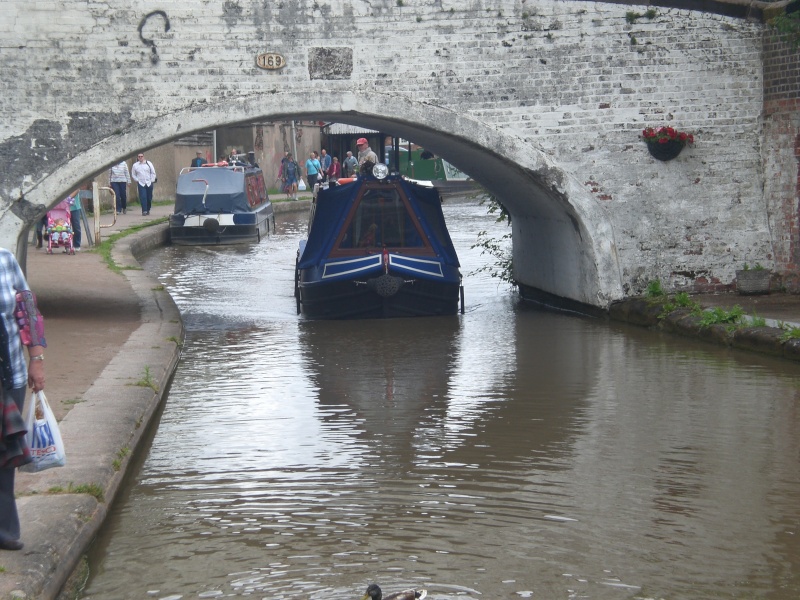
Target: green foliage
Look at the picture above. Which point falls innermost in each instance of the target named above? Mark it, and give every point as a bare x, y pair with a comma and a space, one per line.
720, 316
790, 333
147, 380
651, 13
756, 267
654, 289
631, 17
84, 488
175, 340
121, 454
788, 26
104, 248
683, 299
680, 300
498, 248
756, 321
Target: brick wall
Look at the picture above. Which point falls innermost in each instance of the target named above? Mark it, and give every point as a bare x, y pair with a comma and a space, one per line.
782, 152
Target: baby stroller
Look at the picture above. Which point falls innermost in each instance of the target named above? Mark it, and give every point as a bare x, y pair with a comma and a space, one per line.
59, 228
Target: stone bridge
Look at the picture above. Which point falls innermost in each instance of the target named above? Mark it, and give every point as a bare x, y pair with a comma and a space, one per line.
542, 103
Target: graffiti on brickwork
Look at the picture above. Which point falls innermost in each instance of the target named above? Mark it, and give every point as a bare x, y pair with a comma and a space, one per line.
148, 42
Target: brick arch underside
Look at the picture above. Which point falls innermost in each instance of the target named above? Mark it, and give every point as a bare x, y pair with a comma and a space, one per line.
563, 242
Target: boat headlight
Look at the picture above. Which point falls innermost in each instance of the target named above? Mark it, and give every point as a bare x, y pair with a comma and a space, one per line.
380, 171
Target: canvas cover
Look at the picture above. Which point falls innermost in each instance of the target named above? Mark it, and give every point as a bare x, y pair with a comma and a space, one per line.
226, 191
334, 206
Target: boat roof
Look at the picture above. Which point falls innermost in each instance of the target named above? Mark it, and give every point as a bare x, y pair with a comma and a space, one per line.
214, 189
335, 204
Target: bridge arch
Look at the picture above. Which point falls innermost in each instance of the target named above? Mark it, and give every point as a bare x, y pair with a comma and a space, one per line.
563, 243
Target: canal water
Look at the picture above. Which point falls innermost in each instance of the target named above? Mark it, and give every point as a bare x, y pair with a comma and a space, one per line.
503, 453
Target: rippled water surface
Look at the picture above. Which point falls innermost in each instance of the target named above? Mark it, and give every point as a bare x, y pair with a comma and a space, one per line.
503, 453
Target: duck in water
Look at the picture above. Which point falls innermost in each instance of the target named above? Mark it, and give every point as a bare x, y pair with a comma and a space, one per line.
374, 593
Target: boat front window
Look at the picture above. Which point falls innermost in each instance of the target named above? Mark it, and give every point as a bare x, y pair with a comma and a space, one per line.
381, 219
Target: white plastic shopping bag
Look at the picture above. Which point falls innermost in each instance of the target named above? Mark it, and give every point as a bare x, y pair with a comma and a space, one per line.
301, 185
43, 436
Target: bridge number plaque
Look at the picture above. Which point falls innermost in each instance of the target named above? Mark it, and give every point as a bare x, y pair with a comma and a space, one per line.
271, 61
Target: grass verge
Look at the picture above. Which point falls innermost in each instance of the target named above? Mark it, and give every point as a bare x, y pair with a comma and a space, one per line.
105, 247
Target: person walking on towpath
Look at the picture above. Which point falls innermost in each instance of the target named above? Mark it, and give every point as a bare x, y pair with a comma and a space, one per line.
120, 178
144, 174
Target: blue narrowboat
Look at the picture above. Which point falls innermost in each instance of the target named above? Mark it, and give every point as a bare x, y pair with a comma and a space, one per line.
220, 204
377, 247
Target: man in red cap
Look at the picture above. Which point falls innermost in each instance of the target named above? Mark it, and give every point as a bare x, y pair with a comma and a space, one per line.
366, 157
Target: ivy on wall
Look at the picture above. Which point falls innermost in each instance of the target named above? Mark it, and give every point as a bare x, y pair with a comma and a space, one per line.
788, 23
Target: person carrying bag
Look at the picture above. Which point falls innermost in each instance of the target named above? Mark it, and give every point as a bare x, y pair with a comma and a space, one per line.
22, 327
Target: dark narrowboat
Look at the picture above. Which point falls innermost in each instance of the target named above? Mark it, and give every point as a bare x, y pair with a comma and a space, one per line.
220, 204
378, 247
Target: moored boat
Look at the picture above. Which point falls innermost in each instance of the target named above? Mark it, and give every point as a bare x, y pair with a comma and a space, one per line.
220, 204
377, 247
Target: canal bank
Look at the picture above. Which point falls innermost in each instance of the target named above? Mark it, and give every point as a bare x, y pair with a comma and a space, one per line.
42, 533
762, 329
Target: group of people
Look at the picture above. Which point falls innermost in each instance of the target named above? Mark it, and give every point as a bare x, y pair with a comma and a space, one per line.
321, 167
143, 173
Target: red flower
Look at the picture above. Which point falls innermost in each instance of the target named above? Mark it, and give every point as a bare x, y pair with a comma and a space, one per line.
665, 134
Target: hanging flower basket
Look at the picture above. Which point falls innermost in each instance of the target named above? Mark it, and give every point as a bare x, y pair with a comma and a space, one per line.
666, 143
665, 151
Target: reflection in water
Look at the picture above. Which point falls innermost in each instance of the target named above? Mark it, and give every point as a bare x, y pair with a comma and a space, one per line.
385, 374
503, 453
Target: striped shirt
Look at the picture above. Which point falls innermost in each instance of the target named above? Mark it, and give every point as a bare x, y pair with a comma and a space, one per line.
120, 173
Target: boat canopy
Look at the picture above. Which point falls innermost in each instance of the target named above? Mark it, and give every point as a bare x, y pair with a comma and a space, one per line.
335, 205
226, 190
